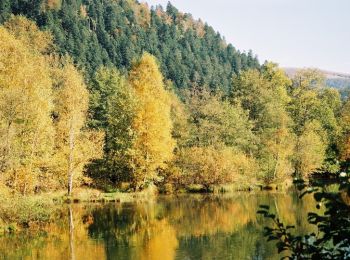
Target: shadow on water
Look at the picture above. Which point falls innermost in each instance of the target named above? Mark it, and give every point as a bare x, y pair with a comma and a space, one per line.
178, 227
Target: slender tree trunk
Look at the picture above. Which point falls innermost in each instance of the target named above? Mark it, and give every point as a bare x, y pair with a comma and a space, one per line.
70, 158
8, 138
25, 188
6, 153
275, 170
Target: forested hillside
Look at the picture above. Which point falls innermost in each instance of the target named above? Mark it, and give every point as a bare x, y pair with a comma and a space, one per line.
116, 32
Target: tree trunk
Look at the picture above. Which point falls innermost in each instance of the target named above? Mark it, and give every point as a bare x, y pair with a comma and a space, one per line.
275, 170
6, 153
70, 159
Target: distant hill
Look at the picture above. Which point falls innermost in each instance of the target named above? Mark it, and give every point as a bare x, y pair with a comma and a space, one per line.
338, 80
329, 74
116, 32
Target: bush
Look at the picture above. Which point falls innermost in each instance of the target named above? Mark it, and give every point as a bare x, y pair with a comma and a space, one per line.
210, 166
22, 211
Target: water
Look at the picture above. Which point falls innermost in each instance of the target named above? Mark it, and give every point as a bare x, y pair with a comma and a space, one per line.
172, 227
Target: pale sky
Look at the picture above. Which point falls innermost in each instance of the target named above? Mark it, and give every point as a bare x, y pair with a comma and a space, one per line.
293, 33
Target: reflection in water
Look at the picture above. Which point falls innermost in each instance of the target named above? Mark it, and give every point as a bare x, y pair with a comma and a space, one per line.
185, 227
71, 233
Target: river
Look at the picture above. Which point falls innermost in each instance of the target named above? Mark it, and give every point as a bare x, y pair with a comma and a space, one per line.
181, 227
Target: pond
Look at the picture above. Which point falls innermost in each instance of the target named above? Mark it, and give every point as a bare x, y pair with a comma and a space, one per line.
170, 227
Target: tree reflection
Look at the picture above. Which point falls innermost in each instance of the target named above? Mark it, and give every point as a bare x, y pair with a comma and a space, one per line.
184, 227
194, 227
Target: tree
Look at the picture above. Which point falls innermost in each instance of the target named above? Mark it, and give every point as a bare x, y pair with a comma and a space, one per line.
213, 165
344, 140
214, 138
263, 94
214, 120
5, 10
75, 146
313, 104
310, 150
114, 33
31, 36
104, 86
117, 107
180, 118
153, 145
25, 108
277, 139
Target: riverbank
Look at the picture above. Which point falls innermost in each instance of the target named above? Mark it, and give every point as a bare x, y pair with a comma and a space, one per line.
19, 212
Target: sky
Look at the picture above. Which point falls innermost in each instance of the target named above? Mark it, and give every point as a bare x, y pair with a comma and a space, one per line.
292, 33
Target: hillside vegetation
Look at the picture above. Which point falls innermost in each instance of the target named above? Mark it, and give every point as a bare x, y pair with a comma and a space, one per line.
117, 32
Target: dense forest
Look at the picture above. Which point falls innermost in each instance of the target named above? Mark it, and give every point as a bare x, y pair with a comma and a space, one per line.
116, 96
117, 32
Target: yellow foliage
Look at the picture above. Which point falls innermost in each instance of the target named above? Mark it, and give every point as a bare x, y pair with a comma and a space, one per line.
344, 142
74, 147
214, 165
52, 4
142, 13
277, 154
152, 126
345, 148
180, 116
27, 32
310, 150
34, 150
26, 128
83, 11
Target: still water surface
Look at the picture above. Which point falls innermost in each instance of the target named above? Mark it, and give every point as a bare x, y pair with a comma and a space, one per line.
178, 227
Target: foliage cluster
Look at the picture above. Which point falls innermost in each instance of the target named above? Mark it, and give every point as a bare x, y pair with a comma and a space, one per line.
43, 108
331, 219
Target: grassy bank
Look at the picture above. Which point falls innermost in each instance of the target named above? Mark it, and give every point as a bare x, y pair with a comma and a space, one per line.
18, 212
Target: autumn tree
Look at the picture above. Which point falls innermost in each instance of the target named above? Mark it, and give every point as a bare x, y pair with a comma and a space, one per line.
263, 94
180, 115
26, 103
313, 104
75, 146
214, 120
153, 144
344, 140
213, 165
31, 36
214, 137
310, 150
